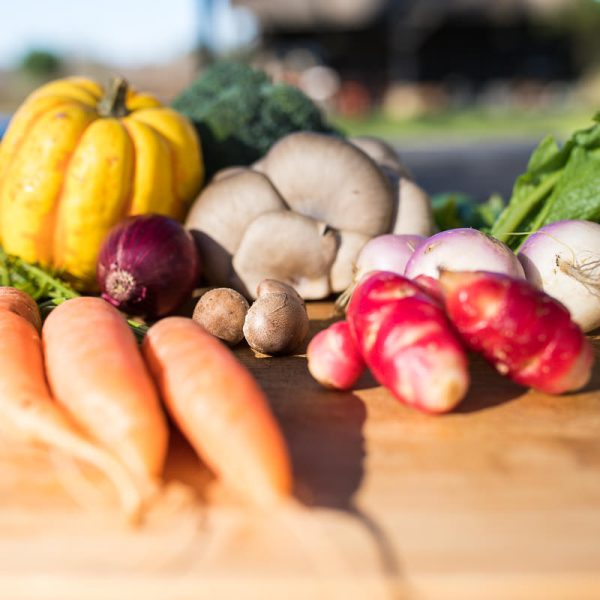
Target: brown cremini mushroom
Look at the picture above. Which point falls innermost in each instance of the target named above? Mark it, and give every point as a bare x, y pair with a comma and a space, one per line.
222, 312
277, 322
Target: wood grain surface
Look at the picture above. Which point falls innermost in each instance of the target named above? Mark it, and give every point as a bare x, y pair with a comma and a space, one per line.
500, 499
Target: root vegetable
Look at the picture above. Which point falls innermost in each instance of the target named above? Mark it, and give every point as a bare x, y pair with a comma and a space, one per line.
407, 342
148, 265
563, 259
523, 332
333, 357
21, 304
97, 373
28, 411
462, 249
222, 312
388, 252
277, 322
219, 407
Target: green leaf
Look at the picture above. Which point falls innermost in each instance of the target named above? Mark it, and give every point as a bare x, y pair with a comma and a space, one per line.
559, 184
577, 194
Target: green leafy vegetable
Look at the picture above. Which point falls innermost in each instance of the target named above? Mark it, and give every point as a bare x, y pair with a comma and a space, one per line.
453, 210
559, 184
46, 287
40, 283
239, 113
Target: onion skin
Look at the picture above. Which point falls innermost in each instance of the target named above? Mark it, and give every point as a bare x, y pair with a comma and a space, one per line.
148, 265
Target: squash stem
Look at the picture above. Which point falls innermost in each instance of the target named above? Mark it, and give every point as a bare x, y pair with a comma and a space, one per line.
113, 104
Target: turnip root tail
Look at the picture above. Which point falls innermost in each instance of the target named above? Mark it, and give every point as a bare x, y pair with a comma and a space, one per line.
523, 332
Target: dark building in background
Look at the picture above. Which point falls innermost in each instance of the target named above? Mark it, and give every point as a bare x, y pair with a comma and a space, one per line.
374, 42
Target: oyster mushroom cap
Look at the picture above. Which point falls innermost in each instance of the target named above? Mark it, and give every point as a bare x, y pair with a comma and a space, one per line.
413, 214
382, 153
221, 214
290, 248
330, 180
342, 270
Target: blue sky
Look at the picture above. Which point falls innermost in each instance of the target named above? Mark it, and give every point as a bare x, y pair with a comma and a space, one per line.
127, 32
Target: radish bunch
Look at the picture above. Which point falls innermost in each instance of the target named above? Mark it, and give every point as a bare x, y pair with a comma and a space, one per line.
413, 337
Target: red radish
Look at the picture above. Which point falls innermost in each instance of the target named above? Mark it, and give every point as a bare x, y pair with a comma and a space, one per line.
522, 331
333, 357
407, 342
431, 287
388, 252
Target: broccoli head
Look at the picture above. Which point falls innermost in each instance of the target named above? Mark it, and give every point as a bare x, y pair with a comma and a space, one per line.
239, 113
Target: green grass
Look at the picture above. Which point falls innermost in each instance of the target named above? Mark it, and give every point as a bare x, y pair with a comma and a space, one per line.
469, 125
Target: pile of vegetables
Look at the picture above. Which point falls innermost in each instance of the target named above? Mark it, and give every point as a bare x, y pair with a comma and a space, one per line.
101, 193
85, 389
77, 159
414, 344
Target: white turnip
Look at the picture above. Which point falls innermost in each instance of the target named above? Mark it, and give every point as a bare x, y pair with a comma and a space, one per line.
462, 249
563, 259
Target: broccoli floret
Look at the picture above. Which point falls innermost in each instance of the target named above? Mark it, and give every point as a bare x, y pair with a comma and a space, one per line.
239, 114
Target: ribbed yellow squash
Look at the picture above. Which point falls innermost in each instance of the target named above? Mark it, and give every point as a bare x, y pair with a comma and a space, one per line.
75, 161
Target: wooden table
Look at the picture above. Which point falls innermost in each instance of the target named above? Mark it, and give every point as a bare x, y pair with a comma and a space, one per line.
500, 499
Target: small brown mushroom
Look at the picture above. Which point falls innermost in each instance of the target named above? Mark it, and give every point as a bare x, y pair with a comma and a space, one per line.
222, 312
277, 322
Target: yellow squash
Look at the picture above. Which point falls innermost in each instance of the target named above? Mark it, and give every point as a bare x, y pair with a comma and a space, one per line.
75, 161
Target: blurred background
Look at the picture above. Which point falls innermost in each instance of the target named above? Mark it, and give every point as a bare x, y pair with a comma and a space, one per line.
463, 88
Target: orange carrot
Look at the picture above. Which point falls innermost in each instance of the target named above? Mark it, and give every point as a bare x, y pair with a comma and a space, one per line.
96, 372
220, 408
27, 410
20, 303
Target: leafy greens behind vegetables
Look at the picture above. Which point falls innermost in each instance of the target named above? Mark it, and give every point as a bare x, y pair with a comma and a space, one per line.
454, 210
41, 284
559, 184
239, 113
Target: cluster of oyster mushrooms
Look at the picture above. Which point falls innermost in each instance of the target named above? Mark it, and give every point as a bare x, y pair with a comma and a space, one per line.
303, 212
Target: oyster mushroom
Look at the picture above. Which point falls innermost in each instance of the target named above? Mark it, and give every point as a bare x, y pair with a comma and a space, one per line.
382, 153
222, 213
330, 180
412, 207
290, 248
301, 215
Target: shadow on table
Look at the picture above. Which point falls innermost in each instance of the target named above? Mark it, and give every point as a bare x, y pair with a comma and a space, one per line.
324, 430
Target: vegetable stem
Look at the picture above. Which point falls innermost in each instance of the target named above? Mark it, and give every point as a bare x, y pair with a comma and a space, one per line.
510, 219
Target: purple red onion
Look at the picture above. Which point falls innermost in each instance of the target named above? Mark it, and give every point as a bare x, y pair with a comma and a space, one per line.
148, 265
